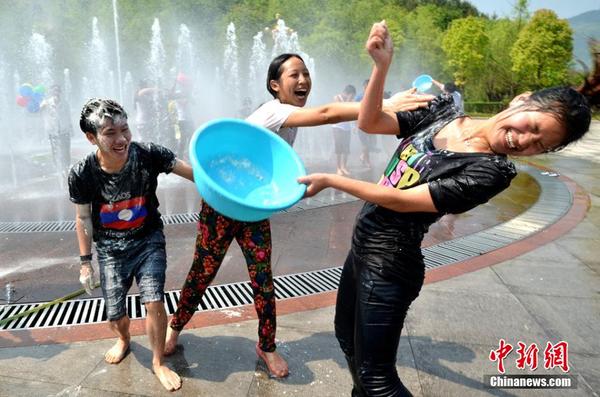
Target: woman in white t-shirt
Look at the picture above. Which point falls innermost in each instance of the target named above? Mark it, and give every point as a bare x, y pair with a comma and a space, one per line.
288, 80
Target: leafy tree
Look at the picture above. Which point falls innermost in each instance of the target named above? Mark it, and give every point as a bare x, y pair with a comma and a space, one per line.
543, 51
466, 45
498, 79
421, 51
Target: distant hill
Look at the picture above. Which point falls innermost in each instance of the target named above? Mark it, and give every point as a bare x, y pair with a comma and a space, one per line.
584, 26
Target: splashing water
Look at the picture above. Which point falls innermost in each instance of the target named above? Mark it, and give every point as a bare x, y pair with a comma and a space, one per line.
32, 264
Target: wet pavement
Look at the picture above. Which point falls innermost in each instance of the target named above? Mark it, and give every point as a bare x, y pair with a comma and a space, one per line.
547, 293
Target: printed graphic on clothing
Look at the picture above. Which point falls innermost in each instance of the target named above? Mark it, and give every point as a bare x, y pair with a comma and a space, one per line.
126, 214
404, 169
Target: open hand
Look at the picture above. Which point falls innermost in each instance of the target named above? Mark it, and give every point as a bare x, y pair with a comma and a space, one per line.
379, 44
407, 100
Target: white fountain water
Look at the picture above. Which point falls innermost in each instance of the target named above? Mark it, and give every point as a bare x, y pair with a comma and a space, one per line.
67, 84
257, 66
157, 59
40, 54
94, 82
231, 69
185, 56
117, 49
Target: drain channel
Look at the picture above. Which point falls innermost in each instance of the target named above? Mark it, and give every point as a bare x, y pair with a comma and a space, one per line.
171, 219
554, 202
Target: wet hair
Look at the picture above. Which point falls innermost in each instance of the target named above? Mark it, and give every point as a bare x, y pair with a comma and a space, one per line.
275, 69
96, 111
567, 105
350, 90
450, 87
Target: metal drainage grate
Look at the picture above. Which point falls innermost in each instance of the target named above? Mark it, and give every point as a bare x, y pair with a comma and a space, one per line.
554, 202
171, 219
218, 297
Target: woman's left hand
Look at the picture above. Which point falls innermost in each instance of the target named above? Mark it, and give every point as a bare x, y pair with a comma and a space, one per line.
314, 183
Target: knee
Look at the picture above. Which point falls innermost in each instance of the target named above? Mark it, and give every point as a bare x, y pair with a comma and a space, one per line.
156, 308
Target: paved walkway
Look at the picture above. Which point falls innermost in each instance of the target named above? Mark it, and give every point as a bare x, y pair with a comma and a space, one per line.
548, 293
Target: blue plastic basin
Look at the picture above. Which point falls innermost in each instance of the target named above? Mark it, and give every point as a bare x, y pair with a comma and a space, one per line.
245, 171
423, 82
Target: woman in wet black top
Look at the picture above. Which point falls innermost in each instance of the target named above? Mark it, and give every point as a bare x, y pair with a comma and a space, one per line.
446, 162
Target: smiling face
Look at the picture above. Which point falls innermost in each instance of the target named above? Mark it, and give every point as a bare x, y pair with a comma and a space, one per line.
525, 133
294, 84
113, 139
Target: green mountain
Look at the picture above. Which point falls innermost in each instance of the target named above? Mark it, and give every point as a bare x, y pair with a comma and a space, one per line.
584, 26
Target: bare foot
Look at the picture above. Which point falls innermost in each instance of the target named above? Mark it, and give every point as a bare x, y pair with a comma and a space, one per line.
171, 341
345, 171
169, 379
340, 172
277, 366
118, 352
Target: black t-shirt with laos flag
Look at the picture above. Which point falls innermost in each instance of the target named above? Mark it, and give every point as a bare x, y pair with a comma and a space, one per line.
124, 205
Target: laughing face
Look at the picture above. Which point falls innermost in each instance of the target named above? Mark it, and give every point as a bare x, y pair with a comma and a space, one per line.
294, 84
526, 133
113, 140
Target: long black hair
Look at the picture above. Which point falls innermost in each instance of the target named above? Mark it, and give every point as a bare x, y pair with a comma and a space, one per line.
275, 71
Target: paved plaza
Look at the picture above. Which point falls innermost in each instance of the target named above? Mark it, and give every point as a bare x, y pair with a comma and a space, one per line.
539, 288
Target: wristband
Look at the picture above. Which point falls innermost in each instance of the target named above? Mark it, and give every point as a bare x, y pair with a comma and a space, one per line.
85, 258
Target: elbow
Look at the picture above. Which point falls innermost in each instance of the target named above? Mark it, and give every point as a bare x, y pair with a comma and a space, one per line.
327, 116
367, 125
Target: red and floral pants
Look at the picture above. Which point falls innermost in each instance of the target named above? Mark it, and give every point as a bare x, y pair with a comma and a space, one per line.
215, 233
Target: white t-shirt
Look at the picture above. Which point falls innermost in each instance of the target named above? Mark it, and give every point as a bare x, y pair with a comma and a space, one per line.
272, 115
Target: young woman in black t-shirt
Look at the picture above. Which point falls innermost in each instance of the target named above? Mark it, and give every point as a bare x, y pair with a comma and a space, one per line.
446, 162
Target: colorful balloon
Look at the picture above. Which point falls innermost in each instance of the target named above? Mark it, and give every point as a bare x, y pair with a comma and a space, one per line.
33, 107
37, 96
39, 89
26, 90
22, 101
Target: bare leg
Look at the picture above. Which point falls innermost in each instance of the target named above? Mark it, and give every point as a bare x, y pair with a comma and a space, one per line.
116, 353
344, 162
156, 328
171, 342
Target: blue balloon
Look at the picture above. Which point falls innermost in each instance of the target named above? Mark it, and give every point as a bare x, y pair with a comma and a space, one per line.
33, 106
26, 90
37, 96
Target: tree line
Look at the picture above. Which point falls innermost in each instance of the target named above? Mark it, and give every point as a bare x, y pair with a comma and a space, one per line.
489, 58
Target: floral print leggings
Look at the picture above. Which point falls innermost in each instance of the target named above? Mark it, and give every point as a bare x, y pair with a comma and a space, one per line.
215, 233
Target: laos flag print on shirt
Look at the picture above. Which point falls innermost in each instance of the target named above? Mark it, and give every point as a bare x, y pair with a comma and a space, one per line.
122, 215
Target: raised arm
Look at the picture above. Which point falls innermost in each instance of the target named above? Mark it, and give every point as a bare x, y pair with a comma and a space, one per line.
372, 117
337, 112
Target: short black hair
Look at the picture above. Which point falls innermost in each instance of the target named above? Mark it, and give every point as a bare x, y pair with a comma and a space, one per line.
96, 111
450, 87
350, 89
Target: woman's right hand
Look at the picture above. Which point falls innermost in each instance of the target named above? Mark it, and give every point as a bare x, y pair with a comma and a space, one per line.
406, 101
379, 44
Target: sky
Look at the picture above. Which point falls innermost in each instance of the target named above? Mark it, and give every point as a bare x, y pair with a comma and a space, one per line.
563, 8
